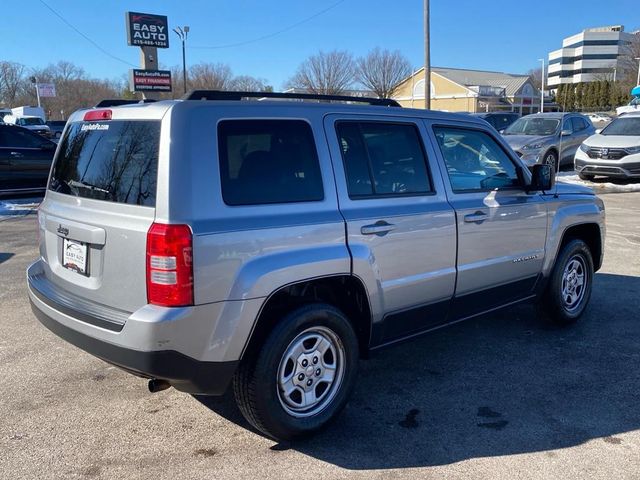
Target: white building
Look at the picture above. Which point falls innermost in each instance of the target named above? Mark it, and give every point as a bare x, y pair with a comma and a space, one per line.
590, 55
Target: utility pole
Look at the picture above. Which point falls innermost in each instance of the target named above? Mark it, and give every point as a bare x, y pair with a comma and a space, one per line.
427, 58
182, 34
542, 87
638, 79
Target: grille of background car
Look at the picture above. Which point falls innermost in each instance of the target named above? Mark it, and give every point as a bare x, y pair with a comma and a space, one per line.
613, 153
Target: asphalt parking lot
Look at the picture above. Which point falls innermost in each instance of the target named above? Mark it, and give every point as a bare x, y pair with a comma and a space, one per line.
502, 396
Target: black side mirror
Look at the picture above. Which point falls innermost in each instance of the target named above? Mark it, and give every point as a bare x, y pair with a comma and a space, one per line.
542, 178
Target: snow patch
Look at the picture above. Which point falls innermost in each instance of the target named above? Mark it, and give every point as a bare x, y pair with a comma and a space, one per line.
600, 185
18, 207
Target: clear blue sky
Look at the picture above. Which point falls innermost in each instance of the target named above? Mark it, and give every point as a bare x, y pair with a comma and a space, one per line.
504, 35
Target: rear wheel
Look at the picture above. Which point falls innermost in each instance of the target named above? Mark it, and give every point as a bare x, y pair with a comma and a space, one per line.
569, 288
301, 376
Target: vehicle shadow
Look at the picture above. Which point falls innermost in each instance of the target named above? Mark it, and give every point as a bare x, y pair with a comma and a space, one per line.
503, 384
4, 256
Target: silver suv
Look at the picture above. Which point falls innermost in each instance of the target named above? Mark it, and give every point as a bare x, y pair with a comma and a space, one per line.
539, 138
269, 245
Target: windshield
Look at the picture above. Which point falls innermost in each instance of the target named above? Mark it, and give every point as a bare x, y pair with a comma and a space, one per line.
635, 101
623, 126
31, 121
533, 126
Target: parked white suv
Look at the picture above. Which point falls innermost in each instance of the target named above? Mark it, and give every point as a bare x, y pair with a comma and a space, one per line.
613, 151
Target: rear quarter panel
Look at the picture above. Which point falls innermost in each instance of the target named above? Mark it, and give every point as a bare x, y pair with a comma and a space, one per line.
244, 252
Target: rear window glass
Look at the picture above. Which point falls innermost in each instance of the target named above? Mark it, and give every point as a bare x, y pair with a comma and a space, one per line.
268, 161
115, 161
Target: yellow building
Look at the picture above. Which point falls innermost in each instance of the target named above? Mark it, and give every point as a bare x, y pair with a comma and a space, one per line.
460, 90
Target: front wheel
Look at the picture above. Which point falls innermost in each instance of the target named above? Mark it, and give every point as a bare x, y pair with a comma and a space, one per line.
584, 176
301, 376
569, 288
551, 159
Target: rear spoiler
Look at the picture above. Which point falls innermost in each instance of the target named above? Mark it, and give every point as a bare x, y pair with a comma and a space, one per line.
116, 102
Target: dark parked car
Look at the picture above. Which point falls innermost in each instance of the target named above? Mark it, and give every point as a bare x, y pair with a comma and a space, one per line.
25, 160
56, 127
498, 120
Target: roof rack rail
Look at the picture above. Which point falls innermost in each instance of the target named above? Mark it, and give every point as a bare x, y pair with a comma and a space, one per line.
116, 102
236, 96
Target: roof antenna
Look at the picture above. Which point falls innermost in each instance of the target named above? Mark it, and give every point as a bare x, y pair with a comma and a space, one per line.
557, 166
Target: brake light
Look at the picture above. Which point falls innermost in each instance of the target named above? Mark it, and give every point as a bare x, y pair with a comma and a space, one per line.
92, 115
170, 265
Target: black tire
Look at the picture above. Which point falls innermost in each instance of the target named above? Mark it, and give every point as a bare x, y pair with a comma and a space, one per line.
551, 158
584, 176
256, 384
554, 304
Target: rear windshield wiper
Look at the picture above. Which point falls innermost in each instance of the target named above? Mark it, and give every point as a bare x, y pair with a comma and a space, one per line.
88, 186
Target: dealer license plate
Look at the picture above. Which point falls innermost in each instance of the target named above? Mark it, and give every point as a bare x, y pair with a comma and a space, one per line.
74, 255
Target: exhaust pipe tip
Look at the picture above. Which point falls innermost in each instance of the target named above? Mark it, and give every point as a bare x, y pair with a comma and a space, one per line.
156, 385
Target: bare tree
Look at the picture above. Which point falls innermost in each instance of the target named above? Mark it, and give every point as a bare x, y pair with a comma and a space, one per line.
247, 83
628, 62
381, 71
210, 76
536, 77
13, 82
330, 73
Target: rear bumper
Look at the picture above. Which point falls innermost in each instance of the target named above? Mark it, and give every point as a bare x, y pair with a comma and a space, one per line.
182, 371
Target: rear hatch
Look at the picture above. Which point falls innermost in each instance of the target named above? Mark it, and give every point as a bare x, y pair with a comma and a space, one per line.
98, 208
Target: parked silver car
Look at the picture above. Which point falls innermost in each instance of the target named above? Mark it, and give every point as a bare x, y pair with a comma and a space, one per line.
269, 245
613, 151
550, 138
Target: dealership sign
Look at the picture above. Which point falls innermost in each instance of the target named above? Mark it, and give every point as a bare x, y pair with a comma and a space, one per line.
150, 80
147, 30
46, 89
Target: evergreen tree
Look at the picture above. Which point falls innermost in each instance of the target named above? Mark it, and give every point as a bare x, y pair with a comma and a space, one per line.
571, 98
560, 95
579, 96
613, 95
589, 95
606, 95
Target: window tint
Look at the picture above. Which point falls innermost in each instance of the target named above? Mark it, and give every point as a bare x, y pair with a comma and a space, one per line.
382, 159
567, 124
578, 124
474, 160
19, 138
268, 161
115, 161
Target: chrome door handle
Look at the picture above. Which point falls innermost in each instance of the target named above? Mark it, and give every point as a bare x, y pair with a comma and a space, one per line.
379, 228
16, 154
477, 217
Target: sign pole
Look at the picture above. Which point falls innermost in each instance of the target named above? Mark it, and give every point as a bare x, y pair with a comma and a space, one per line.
149, 61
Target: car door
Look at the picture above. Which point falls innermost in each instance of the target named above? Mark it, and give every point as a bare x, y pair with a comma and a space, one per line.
400, 228
581, 131
501, 228
568, 143
25, 158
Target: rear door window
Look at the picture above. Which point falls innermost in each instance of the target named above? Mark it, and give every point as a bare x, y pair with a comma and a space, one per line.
115, 161
268, 161
383, 159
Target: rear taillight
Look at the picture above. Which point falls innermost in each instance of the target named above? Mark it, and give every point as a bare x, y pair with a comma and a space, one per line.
169, 265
